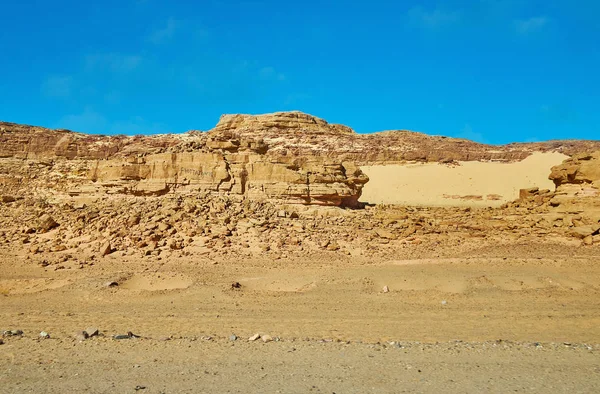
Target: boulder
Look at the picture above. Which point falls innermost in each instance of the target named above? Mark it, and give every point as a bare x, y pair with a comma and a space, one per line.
46, 223
585, 231
579, 169
105, 248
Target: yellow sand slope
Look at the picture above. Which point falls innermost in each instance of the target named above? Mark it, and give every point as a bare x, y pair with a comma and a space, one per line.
468, 184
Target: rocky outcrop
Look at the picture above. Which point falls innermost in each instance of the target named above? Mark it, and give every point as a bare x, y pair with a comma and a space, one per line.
299, 134
278, 134
288, 123
38, 143
581, 169
577, 194
219, 162
577, 183
290, 180
289, 157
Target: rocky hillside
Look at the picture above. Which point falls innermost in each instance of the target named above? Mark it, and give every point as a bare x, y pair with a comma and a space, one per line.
298, 134
278, 134
286, 157
68, 199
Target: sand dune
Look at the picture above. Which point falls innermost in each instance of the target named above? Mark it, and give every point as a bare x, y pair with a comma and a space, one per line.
468, 184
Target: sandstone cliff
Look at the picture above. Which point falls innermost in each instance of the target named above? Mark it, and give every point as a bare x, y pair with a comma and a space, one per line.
581, 169
219, 162
577, 183
575, 202
299, 134
289, 157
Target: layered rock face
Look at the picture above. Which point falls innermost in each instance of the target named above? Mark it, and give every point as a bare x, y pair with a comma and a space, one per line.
575, 204
299, 134
577, 183
308, 181
289, 157
218, 162
581, 169
286, 123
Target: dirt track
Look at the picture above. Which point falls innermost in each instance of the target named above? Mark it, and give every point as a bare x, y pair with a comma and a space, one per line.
186, 366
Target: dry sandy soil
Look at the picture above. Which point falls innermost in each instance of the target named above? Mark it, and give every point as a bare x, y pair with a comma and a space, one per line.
506, 318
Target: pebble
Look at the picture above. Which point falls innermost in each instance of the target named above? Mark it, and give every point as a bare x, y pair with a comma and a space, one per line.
111, 284
13, 333
129, 335
386, 289
266, 338
254, 337
91, 332
44, 335
233, 337
444, 302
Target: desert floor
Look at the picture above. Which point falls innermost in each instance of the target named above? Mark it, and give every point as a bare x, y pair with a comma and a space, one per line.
522, 317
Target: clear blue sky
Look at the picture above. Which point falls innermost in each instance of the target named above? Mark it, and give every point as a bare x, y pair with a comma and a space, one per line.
491, 70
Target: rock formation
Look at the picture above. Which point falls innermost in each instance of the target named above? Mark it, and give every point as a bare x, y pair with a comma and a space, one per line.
299, 134
286, 157
581, 169
218, 161
575, 203
69, 199
577, 192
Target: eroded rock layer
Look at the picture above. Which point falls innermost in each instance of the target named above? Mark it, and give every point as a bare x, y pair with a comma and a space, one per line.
289, 157
577, 183
81, 165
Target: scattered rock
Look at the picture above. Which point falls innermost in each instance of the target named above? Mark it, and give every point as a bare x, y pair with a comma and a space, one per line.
233, 337
7, 199
444, 302
105, 249
254, 337
46, 223
584, 231
385, 234
44, 335
13, 333
236, 285
386, 289
1, 341
91, 332
266, 338
129, 335
111, 284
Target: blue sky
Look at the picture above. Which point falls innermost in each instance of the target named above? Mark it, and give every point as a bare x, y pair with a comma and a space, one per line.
494, 71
